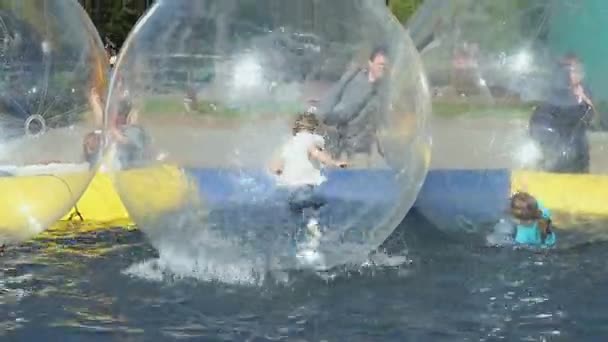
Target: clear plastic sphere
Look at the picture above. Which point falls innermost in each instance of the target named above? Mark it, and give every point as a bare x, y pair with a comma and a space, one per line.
539, 126
51, 58
204, 104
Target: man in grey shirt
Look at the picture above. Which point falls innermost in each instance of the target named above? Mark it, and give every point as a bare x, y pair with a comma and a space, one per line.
354, 107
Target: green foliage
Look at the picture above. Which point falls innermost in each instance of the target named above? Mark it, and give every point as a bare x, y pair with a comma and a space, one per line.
114, 18
497, 26
404, 9
119, 19
451, 109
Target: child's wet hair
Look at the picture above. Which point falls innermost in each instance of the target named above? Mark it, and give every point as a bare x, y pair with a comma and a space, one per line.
305, 122
525, 207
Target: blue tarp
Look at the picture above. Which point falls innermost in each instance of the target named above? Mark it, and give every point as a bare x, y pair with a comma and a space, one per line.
450, 198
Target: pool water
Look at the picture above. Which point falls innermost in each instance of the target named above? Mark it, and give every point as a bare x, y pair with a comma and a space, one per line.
424, 286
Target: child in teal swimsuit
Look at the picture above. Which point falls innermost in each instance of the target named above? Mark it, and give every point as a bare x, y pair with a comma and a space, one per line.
532, 221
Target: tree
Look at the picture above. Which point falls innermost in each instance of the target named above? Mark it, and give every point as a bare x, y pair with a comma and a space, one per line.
114, 19
404, 9
120, 18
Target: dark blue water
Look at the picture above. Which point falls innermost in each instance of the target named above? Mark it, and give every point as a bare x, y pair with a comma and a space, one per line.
76, 288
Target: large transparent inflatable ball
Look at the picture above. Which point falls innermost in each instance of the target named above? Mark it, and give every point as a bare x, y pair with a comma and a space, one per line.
543, 64
51, 116
279, 133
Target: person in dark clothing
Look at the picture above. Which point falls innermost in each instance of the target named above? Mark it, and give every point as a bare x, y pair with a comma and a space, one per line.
132, 141
353, 108
559, 125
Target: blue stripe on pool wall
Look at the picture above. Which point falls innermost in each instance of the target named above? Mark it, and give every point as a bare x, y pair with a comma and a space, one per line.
220, 185
448, 197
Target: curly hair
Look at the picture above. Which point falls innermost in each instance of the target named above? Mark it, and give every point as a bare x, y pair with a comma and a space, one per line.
525, 207
305, 122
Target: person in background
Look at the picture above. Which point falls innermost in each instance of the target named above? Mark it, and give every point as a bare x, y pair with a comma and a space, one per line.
92, 142
110, 48
353, 108
560, 124
130, 140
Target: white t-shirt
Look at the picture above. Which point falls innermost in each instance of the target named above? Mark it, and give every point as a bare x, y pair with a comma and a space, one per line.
298, 169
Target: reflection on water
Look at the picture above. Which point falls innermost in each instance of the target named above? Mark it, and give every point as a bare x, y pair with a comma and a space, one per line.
74, 287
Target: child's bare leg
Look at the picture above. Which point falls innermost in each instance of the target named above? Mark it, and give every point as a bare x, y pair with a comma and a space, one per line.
297, 217
308, 250
309, 253
313, 228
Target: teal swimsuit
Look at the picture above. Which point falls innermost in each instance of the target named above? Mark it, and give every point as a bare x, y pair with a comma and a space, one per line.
530, 234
